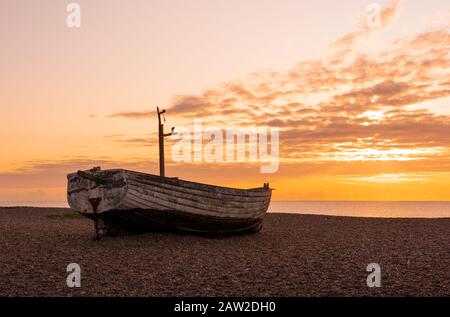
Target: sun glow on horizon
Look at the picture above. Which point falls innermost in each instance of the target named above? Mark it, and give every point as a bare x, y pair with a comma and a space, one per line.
392, 178
373, 154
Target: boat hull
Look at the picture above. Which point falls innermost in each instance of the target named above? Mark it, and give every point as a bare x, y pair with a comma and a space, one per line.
137, 202
118, 222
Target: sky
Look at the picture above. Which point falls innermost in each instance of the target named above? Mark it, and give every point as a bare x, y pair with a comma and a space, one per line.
363, 112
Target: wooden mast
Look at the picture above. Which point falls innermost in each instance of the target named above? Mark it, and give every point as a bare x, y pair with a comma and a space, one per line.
161, 136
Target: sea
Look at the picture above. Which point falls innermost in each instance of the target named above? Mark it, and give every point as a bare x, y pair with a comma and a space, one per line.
388, 209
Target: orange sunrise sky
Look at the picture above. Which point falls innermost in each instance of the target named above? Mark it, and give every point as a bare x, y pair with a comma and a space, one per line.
363, 113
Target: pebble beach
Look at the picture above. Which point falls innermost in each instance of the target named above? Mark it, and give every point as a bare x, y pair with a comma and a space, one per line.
293, 255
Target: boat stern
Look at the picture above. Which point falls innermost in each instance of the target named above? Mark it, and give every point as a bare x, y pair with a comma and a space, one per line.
95, 191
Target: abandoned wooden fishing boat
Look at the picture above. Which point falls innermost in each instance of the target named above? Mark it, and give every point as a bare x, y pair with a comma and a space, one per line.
134, 201
122, 200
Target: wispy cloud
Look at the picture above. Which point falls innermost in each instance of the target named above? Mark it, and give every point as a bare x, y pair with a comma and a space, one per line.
133, 114
150, 140
387, 17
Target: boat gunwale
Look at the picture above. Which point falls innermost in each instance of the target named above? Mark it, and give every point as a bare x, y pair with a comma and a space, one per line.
173, 181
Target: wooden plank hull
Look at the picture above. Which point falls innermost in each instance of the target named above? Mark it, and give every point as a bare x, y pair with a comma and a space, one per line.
140, 202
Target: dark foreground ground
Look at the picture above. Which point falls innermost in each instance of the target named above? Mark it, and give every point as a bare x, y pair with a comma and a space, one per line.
294, 255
